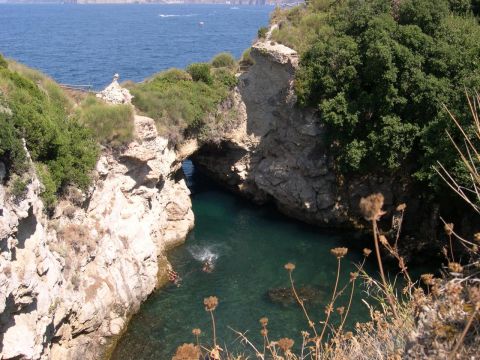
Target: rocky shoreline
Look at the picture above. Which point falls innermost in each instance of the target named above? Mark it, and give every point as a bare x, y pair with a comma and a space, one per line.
69, 283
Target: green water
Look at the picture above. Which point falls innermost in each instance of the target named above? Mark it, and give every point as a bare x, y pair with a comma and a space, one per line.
250, 244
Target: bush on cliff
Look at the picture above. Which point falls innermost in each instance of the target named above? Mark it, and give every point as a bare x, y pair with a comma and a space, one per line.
182, 102
111, 125
379, 73
201, 72
3, 62
34, 108
223, 60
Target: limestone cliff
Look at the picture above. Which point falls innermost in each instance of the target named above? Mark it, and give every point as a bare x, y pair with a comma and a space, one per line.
279, 152
69, 283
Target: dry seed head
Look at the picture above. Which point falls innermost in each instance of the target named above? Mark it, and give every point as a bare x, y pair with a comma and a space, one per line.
366, 252
401, 207
340, 310
371, 206
348, 335
264, 332
328, 309
187, 352
305, 334
196, 332
210, 303
427, 279
448, 229
353, 276
476, 237
339, 252
383, 240
436, 289
264, 321
289, 266
285, 344
455, 267
474, 295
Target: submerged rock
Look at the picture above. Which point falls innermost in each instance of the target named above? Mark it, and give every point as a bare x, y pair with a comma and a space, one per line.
286, 297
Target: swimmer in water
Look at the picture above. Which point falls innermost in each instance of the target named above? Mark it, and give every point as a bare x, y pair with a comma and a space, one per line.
174, 277
207, 266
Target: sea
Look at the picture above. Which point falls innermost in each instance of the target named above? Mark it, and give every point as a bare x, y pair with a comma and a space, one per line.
88, 44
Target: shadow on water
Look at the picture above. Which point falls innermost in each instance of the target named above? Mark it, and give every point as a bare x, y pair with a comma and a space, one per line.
249, 246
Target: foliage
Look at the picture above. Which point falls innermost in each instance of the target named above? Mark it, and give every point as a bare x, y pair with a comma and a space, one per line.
379, 77
262, 32
299, 27
179, 103
223, 60
3, 62
201, 72
111, 124
226, 78
18, 187
247, 59
37, 110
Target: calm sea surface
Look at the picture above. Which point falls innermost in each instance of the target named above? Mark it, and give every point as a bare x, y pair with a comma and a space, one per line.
87, 44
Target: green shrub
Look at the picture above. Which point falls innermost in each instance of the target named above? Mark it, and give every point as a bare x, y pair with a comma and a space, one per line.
247, 59
379, 81
201, 72
174, 75
111, 124
226, 78
179, 104
11, 146
3, 62
262, 32
18, 187
223, 60
39, 112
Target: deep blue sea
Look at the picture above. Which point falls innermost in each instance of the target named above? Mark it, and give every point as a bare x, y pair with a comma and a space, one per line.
87, 44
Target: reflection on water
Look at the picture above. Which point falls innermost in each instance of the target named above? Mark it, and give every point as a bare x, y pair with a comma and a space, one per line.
249, 246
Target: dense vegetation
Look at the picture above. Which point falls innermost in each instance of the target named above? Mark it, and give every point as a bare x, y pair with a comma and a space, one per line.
379, 72
62, 139
111, 124
36, 109
185, 102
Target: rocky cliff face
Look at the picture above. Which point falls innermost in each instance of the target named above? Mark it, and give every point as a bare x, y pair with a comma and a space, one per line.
279, 154
68, 284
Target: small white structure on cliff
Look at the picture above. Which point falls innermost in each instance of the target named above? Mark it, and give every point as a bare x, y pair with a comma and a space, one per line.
115, 94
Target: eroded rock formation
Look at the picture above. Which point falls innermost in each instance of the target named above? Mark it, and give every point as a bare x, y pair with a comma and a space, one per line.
279, 153
69, 284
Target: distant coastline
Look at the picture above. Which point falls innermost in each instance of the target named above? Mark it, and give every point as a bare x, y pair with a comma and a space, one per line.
93, 2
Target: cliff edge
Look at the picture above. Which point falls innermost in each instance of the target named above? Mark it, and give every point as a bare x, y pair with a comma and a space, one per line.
68, 284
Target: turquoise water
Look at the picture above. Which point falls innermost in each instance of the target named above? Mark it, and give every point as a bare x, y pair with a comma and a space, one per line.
250, 245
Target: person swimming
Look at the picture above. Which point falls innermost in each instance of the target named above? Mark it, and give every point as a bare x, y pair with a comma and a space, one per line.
173, 277
207, 266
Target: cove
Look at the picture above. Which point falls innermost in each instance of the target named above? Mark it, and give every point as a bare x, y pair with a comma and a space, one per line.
250, 245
